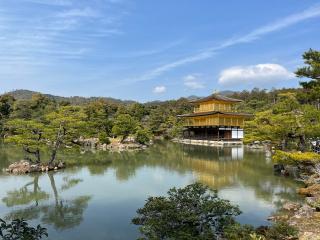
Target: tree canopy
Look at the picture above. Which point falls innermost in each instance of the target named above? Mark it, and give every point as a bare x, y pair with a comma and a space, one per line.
193, 212
311, 88
196, 212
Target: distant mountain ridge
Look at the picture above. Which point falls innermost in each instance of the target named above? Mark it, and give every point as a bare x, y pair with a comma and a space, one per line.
223, 93
22, 94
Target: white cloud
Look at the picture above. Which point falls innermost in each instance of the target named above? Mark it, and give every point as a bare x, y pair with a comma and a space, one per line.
192, 81
254, 75
159, 89
255, 34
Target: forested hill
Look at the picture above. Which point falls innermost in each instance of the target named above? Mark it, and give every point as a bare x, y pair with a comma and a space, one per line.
22, 94
290, 118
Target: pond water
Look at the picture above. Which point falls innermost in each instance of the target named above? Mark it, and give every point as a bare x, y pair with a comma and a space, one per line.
98, 199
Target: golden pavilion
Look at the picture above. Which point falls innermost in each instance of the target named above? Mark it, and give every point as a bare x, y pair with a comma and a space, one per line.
214, 118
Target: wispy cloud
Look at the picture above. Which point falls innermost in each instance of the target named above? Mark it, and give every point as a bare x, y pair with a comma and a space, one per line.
278, 25
193, 81
46, 34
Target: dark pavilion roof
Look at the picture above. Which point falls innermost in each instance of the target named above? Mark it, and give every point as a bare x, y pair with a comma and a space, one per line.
214, 113
215, 97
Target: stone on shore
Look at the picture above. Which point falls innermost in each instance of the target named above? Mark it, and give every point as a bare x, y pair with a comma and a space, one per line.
305, 217
311, 191
24, 167
119, 147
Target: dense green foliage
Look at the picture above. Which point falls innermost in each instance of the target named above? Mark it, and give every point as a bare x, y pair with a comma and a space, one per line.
124, 125
287, 123
289, 118
43, 123
143, 136
277, 231
195, 212
311, 71
280, 231
19, 229
295, 158
187, 213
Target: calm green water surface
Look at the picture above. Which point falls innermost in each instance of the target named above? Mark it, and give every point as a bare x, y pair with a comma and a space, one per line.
97, 200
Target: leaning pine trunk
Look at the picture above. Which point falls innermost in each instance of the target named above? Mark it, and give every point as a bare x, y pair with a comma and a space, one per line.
59, 139
37, 153
53, 155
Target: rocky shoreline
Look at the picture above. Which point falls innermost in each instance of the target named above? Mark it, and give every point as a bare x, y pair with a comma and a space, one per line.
24, 167
120, 147
130, 144
304, 217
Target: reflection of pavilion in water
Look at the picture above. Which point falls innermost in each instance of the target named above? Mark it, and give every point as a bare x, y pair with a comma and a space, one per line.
215, 167
230, 166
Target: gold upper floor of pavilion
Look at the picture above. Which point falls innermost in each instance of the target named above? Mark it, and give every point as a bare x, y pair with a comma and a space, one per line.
215, 110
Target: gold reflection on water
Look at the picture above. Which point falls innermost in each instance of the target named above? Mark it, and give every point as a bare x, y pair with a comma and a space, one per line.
218, 168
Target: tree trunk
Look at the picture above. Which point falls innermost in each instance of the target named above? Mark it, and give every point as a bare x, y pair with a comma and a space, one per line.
284, 144
53, 154
36, 153
59, 139
302, 143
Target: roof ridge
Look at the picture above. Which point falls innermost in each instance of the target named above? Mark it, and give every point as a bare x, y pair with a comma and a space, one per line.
216, 97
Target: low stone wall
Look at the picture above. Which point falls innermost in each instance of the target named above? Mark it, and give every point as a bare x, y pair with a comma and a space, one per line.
220, 143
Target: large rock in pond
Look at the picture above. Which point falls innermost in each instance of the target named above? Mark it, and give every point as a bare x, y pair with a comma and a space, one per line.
20, 167
24, 166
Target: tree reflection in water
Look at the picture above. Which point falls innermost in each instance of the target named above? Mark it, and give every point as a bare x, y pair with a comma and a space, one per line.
219, 168
235, 172
62, 214
25, 195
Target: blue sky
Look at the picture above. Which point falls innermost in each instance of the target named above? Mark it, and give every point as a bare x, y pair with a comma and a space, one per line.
147, 50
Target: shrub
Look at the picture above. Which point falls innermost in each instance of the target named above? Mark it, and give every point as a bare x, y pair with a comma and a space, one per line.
193, 212
103, 137
280, 231
294, 158
20, 230
143, 136
238, 232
